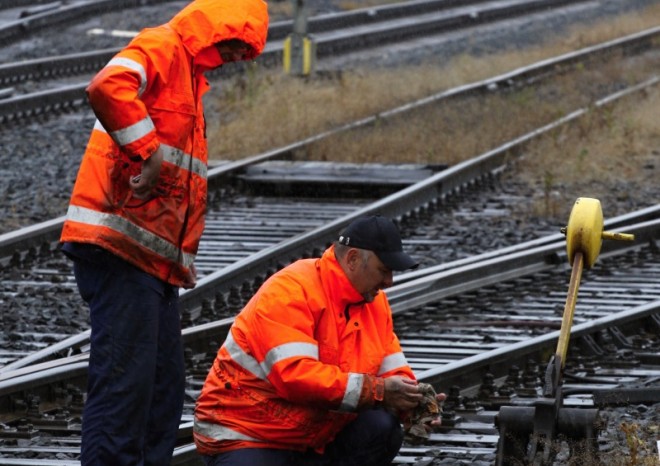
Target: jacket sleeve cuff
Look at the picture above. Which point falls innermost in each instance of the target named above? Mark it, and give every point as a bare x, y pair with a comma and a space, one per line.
373, 391
379, 390
148, 149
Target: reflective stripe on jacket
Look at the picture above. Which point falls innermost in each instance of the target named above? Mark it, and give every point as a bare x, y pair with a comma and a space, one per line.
149, 96
293, 370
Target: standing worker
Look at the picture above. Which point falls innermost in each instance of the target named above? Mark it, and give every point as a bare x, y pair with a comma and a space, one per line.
311, 372
136, 217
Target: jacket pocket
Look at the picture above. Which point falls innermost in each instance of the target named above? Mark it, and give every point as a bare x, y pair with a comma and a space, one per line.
173, 114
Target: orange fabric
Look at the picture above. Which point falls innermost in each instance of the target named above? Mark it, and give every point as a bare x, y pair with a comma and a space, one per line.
295, 403
150, 96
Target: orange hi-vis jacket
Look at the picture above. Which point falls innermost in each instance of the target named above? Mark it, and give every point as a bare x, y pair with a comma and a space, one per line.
303, 356
148, 96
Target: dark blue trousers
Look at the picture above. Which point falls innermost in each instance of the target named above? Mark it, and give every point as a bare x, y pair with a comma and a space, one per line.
136, 370
373, 439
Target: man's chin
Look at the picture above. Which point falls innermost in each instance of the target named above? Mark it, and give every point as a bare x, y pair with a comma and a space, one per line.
369, 297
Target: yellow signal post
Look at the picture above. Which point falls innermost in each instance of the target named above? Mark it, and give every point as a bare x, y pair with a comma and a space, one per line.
299, 54
527, 434
584, 237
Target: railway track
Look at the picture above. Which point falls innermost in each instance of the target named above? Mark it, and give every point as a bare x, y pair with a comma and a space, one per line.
395, 21
238, 260
414, 298
518, 320
21, 18
35, 192
503, 304
484, 343
19, 247
334, 35
33, 237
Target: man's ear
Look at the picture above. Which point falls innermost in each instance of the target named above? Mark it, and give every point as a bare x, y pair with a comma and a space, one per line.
353, 259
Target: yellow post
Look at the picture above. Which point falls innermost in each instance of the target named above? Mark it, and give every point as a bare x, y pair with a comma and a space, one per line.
569, 307
286, 55
299, 54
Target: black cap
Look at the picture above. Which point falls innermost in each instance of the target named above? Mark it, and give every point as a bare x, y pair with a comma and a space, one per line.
380, 235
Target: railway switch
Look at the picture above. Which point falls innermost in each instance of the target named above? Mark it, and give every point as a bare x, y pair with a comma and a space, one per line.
528, 434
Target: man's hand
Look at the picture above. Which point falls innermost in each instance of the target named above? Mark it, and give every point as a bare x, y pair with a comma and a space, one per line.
144, 183
437, 421
401, 394
426, 416
191, 278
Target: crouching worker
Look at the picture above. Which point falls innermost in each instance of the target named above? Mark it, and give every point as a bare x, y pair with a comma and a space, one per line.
311, 372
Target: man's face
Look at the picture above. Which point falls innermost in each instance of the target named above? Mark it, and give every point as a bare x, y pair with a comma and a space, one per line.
233, 51
370, 275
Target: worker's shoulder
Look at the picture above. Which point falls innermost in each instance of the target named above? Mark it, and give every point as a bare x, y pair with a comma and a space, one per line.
300, 268
302, 271
159, 38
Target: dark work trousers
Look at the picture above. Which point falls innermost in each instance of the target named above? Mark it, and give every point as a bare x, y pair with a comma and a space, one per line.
373, 439
136, 372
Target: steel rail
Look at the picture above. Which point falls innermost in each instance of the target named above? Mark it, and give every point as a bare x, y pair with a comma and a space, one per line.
277, 30
427, 24
73, 96
186, 453
470, 370
453, 373
65, 13
477, 275
72, 345
36, 235
459, 373
7, 4
614, 223
16, 108
465, 14
449, 374
397, 205
512, 262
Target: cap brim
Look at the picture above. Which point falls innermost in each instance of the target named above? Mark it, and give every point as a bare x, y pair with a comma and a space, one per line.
398, 260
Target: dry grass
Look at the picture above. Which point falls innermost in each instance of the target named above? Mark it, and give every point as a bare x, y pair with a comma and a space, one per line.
347, 5
264, 110
613, 155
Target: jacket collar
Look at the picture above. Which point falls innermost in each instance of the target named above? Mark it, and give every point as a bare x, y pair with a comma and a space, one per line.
335, 282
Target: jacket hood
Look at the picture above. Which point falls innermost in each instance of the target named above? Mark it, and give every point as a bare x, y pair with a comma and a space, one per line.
204, 23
